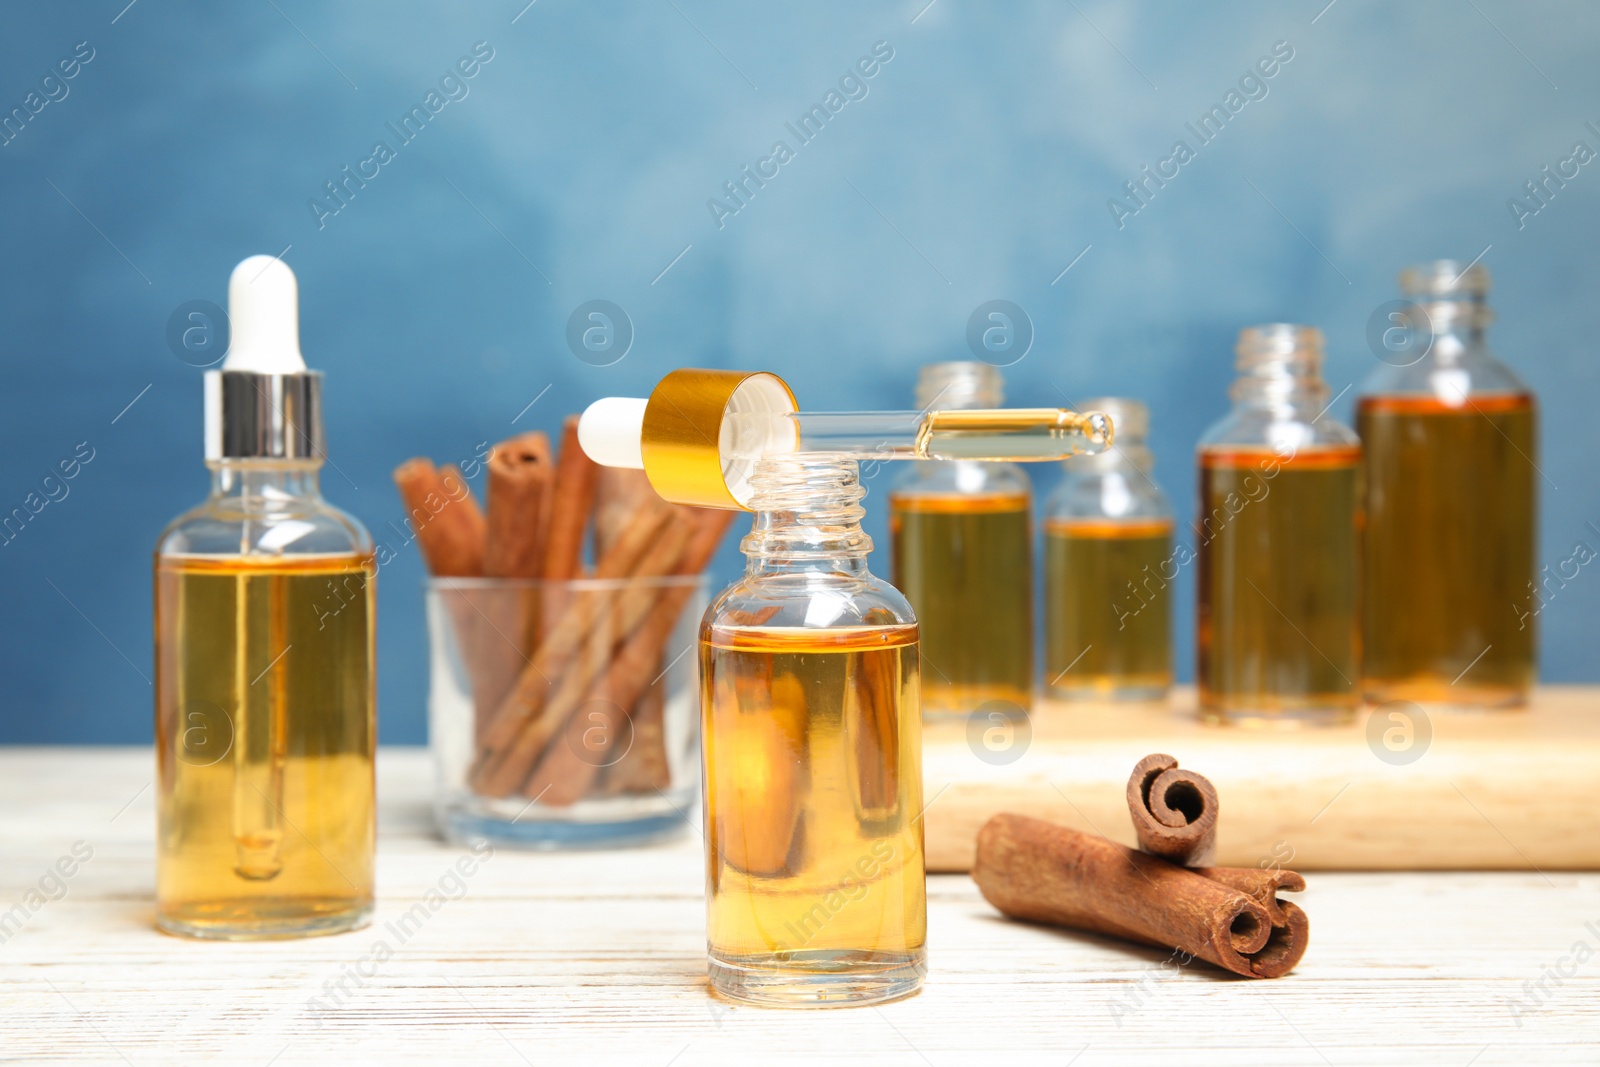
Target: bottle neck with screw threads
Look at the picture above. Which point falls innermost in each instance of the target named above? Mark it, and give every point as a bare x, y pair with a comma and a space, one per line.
807, 517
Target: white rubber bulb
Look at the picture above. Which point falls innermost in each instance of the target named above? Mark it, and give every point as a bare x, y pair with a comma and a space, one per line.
609, 431
264, 318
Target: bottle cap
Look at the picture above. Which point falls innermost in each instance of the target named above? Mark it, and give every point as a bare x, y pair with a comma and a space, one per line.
680, 436
263, 403
960, 384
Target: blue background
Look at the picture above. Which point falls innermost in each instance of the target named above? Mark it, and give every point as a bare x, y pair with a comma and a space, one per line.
579, 166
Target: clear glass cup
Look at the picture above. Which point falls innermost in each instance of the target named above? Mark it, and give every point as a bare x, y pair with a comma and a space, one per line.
564, 714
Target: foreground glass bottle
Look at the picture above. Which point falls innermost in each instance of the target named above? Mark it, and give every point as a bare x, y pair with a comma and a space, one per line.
1109, 569
1451, 442
815, 890
1278, 633
264, 696
962, 554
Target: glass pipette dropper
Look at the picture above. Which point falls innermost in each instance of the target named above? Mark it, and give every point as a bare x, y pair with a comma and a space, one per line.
263, 304
700, 433
1019, 435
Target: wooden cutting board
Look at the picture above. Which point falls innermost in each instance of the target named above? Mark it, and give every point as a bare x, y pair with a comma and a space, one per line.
1505, 790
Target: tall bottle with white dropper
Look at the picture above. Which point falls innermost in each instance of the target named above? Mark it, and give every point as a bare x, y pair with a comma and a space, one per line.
265, 699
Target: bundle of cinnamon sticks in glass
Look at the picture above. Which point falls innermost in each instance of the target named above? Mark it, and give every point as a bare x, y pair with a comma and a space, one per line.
565, 660
1162, 894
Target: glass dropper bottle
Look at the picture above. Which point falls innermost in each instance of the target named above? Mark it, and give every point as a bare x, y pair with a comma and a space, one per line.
264, 694
810, 676
815, 888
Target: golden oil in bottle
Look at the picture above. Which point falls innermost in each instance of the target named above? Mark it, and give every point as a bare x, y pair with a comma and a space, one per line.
962, 543
1277, 535
1109, 569
813, 773
815, 888
1278, 581
963, 562
264, 742
1109, 609
1451, 444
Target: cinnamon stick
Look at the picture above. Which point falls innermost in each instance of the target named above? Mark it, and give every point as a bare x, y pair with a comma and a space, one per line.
445, 518
1291, 929
573, 492
1039, 872
753, 792
1260, 884
568, 770
505, 755
518, 492
619, 492
1174, 811
644, 767
495, 623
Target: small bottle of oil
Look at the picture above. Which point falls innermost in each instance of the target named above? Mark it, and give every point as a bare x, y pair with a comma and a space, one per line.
1452, 480
815, 889
264, 695
1109, 570
1278, 633
962, 548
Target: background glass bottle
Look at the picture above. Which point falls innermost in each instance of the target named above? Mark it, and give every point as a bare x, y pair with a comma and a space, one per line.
962, 554
1451, 443
1278, 634
1109, 569
815, 888
264, 691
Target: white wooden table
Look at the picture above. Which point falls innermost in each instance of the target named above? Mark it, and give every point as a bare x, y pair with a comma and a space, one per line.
598, 958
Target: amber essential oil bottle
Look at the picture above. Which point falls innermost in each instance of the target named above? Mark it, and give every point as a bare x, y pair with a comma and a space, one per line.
1278, 581
264, 696
962, 548
1451, 442
815, 888
1109, 570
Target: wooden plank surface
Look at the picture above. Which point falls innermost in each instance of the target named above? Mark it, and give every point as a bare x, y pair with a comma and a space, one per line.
597, 958
1509, 790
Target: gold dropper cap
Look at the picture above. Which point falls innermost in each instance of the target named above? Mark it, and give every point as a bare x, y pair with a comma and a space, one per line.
681, 438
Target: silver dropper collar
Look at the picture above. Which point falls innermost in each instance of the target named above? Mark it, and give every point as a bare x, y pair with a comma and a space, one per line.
263, 416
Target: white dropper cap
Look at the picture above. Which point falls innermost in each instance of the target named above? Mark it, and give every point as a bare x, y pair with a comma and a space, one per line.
611, 431
262, 403
264, 318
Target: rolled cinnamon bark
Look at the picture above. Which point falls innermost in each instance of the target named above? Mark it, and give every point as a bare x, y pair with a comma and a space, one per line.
644, 767
1040, 872
619, 492
568, 770
1174, 811
1291, 930
444, 517
572, 499
548, 688
518, 493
